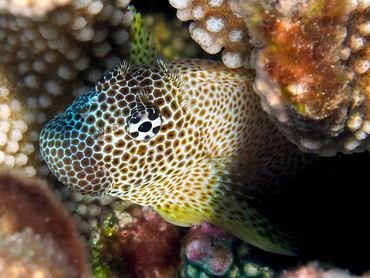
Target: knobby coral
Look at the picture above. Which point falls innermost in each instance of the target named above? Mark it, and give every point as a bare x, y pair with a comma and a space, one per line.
46, 61
311, 59
37, 237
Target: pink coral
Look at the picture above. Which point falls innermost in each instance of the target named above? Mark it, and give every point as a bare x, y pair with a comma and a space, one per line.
210, 247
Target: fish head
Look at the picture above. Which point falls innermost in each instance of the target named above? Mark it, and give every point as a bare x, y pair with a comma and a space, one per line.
125, 134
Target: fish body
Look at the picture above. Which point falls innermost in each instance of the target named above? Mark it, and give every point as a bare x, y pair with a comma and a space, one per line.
188, 138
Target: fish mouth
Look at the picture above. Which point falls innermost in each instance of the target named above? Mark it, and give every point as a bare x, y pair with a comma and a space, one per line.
69, 154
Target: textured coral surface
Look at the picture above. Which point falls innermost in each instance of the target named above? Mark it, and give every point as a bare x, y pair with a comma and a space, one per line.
37, 237
311, 61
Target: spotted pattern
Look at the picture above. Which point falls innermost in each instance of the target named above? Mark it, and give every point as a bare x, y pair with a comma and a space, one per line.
214, 145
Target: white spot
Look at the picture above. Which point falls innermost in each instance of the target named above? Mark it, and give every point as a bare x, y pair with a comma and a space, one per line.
31, 81
232, 60
214, 24
48, 32
81, 209
4, 91
12, 146
102, 49
44, 101
94, 210
204, 39
4, 126
41, 118
82, 63
128, 18
354, 122
116, 18
53, 87
215, 3
15, 105
21, 159
20, 124
66, 73
39, 66
366, 127
180, 4
106, 12
30, 171
361, 66
3, 138
364, 28
122, 3
310, 144
351, 144
32, 102
24, 67
345, 53
85, 35
9, 161
363, 5
50, 57
29, 118
235, 35
81, 3
356, 43
16, 134
78, 23
4, 111
120, 36
360, 134
28, 148
95, 7
100, 35
198, 12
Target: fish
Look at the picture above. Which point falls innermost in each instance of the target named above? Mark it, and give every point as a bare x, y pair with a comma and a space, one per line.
188, 138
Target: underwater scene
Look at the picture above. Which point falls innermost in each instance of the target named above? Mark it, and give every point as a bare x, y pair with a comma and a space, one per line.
184, 138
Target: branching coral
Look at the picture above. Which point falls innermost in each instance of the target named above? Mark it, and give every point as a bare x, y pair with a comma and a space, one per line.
311, 59
36, 236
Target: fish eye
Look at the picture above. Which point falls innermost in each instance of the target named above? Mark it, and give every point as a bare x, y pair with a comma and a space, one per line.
145, 124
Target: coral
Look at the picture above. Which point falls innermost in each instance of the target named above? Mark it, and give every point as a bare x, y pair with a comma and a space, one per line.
314, 270
46, 61
36, 235
311, 61
30, 8
215, 27
139, 244
221, 255
210, 248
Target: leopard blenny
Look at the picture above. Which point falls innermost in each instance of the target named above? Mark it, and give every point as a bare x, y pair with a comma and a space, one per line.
188, 138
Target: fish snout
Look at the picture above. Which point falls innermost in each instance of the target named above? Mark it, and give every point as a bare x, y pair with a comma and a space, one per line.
69, 154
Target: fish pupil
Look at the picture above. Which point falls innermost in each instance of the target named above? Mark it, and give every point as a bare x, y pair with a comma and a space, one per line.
145, 127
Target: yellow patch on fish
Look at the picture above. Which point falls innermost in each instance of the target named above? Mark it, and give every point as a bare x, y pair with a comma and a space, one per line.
188, 138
